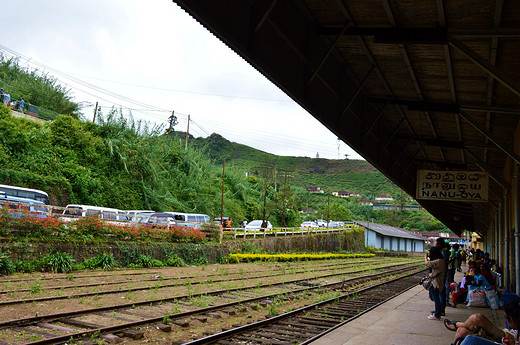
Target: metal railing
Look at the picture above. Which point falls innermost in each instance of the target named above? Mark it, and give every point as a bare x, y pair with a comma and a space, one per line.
244, 233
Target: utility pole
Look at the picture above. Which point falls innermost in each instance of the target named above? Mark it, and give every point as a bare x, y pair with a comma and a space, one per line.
95, 113
173, 122
275, 189
328, 209
222, 198
187, 134
283, 202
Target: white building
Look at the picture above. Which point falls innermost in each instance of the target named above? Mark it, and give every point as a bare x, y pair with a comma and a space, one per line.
391, 238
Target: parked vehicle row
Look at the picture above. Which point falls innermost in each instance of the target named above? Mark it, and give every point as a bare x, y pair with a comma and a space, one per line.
122, 217
320, 223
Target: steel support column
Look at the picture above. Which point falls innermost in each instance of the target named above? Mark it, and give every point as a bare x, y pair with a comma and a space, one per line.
500, 215
516, 196
507, 280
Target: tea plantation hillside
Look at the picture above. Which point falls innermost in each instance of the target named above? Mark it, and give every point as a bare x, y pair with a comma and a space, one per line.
328, 174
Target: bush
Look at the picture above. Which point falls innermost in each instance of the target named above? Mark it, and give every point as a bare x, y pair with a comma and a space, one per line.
6, 265
175, 261
57, 263
105, 262
25, 266
147, 261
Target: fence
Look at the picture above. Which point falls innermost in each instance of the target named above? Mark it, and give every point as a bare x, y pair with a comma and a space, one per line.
243, 233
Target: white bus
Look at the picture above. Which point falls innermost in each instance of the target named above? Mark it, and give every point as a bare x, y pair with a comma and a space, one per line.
26, 193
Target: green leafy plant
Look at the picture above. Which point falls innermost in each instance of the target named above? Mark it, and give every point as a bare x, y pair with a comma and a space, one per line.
175, 261
25, 266
57, 262
147, 261
103, 261
6, 265
36, 287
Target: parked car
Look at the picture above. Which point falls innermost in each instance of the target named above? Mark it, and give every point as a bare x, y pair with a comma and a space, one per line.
257, 225
308, 225
321, 223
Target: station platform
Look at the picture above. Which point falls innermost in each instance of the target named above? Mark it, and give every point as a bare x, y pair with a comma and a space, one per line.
404, 320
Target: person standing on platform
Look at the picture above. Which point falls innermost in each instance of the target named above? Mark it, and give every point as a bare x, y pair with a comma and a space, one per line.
435, 262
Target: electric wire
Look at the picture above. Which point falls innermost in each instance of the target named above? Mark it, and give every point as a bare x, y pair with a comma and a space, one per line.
150, 110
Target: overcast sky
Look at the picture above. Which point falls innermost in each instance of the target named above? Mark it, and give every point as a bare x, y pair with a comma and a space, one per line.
152, 57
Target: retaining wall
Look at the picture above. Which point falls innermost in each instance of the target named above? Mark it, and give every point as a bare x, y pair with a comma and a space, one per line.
124, 252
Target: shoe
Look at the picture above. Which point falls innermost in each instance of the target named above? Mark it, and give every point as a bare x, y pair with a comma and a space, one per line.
442, 314
433, 317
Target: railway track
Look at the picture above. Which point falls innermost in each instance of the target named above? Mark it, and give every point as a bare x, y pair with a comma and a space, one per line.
123, 319
311, 322
156, 277
160, 285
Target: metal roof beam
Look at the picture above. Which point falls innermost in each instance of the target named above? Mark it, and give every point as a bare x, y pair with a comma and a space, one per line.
444, 164
419, 35
421, 106
486, 167
449, 107
491, 138
448, 143
265, 15
486, 66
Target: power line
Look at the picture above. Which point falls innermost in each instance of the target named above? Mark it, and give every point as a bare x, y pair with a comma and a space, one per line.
151, 110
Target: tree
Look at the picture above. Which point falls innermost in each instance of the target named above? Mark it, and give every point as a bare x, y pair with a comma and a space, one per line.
339, 212
317, 155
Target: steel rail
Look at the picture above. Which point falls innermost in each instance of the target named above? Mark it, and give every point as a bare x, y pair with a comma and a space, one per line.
108, 292
64, 338
229, 333
61, 287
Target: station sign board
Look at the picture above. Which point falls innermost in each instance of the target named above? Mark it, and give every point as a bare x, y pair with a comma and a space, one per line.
452, 185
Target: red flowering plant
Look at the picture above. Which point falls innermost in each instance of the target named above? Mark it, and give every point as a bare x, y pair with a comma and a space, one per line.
21, 222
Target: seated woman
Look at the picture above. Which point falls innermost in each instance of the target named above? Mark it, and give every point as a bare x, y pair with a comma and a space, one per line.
479, 282
464, 331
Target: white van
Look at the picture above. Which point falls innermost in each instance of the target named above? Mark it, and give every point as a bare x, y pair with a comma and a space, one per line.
192, 220
106, 213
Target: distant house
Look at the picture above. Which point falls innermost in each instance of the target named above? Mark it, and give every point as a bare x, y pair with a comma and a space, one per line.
366, 202
345, 194
384, 197
308, 210
392, 238
315, 189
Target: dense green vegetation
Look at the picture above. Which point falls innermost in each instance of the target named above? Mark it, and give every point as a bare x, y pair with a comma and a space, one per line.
36, 88
126, 164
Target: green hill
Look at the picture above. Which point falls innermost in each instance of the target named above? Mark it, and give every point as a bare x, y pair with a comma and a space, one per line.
328, 174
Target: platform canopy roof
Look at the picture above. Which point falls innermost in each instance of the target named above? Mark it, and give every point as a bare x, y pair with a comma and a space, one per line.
408, 84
